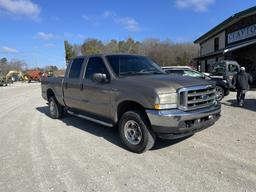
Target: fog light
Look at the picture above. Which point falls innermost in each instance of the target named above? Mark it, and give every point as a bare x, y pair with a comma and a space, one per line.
210, 117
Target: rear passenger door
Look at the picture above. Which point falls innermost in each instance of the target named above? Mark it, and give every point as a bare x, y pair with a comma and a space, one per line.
72, 84
96, 97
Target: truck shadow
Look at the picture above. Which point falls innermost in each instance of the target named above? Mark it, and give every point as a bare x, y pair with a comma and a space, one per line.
163, 143
108, 133
249, 104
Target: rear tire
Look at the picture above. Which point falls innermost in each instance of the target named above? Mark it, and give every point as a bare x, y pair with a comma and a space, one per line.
55, 109
220, 93
135, 132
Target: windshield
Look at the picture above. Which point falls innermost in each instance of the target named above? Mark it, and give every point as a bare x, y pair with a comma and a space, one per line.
127, 65
218, 70
190, 73
186, 73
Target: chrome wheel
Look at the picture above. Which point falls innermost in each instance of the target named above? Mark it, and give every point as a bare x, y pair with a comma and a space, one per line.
132, 132
52, 108
219, 93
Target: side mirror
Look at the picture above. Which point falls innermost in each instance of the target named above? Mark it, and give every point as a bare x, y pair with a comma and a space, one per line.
99, 77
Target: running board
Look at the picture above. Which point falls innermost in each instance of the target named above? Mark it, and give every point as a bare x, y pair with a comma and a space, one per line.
90, 119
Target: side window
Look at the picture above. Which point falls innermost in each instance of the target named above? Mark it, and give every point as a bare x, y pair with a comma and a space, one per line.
76, 67
95, 65
232, 68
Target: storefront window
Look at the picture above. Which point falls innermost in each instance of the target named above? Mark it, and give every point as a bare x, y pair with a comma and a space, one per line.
216, 44
233, 68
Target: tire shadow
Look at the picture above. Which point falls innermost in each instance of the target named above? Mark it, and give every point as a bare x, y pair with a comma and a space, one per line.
108, 133
164, 143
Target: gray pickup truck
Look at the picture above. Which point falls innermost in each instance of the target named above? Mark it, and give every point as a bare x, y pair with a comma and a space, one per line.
133, 92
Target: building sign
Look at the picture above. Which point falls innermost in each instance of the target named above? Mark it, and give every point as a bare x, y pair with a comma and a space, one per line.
242, 34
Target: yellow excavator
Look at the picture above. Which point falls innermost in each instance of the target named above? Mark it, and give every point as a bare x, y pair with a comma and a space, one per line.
16, 76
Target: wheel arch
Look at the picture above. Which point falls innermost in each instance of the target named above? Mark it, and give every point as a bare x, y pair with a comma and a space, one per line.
50, 93
128, 105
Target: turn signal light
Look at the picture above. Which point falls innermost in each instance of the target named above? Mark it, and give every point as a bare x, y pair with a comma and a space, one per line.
157, 106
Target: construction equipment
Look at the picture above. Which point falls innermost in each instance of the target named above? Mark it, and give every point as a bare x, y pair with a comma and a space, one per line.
33, 75
14, 76
2, 81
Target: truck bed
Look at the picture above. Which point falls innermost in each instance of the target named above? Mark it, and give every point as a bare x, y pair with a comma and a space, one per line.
55, 83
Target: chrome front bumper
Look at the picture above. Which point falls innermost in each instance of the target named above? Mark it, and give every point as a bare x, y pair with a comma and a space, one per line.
173, 124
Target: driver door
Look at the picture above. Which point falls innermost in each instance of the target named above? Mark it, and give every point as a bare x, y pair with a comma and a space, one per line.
96, 96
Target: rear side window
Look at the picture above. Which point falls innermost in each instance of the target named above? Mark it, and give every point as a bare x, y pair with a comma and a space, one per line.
233, 68
95, 65
76, 67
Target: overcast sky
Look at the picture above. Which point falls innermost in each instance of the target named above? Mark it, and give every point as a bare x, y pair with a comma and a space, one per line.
34, 30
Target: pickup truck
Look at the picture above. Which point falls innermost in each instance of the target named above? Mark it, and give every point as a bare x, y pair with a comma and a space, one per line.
225, 70
134, 93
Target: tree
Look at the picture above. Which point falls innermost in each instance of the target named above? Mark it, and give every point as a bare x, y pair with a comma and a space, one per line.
129, 46
92, 46
13, 65
3, 60
111, 47
18, 65
77, 50
68, 51
3, 66
165, 53
51, 68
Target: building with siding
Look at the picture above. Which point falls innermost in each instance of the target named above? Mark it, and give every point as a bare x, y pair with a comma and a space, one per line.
233, 39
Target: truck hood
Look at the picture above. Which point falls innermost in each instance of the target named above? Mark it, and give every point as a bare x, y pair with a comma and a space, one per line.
165, 83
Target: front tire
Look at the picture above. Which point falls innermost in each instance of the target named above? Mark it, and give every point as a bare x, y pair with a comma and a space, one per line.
55, 109
220, 93
135, 132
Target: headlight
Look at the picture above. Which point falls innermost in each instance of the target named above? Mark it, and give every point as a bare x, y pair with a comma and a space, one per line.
166, 101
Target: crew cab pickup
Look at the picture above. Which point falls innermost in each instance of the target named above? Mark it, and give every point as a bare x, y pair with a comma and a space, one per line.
134, 93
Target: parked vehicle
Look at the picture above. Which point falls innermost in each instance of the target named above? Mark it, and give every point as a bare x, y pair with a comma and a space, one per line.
33, 75
176, 67
3, 81
134, 93
14, 76
225, 70
222, 86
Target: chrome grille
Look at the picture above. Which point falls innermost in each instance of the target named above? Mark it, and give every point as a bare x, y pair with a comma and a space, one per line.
193, 98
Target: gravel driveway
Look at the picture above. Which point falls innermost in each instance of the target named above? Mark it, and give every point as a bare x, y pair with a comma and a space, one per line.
39, 154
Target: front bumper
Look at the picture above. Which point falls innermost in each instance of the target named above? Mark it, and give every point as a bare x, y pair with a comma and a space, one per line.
174, 124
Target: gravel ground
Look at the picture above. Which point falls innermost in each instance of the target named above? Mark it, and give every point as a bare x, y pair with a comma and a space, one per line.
39, 154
